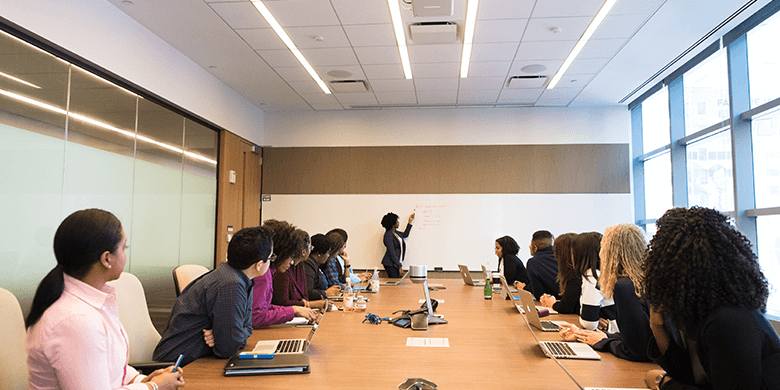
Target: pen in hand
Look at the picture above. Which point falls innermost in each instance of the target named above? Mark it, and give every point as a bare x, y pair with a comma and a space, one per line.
178, 361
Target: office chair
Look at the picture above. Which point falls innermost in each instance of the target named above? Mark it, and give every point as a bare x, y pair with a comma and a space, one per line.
13, 358
134, 315
184, 274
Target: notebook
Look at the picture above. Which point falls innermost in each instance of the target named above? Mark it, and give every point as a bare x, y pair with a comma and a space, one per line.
466, 275
282, 364
285, 347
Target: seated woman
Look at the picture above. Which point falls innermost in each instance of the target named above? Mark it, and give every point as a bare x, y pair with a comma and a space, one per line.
287, 246
570, 261
707, 295
290, 287
509, 264
344, 262
333, 270
623, 252
317, 289
74, 337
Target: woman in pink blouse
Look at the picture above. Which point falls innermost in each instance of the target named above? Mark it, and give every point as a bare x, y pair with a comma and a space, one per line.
74, 337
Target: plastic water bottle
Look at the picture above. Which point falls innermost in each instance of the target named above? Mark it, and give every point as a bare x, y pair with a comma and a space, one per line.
488, 288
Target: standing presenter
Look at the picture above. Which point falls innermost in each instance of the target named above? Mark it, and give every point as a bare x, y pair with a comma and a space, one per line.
394, 243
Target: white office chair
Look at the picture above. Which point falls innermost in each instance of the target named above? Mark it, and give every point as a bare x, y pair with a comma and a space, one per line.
13, 357
134, 315
185, 274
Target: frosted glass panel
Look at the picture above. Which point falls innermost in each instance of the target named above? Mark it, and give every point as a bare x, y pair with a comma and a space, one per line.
706, 93
710, 177
658, 185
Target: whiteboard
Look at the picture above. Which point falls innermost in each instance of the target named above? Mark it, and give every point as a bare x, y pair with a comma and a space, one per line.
449, 229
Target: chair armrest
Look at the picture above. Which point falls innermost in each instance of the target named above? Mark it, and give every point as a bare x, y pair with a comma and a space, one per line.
147, 368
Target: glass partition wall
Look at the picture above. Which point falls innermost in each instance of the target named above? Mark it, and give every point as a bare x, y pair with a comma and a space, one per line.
70, 140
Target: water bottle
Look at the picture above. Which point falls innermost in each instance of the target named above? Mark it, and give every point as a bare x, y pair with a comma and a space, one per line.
488, 288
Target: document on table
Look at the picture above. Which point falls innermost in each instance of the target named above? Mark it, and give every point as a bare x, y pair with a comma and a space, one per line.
427, 342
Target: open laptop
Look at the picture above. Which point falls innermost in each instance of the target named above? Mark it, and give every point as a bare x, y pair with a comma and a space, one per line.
466, 275
527, 303
289, 346
397, 282
561, 349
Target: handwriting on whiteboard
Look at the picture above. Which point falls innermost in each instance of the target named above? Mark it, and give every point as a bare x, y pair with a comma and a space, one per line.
429, 215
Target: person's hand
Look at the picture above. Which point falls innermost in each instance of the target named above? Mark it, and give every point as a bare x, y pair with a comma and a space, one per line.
401, 271
590, 337
304, 312
661, 334
345, 257
567, 332
166, 379
411, 218
332, 291
657, 317
547, 300
208, 337
650, 378
519, 285
603, 325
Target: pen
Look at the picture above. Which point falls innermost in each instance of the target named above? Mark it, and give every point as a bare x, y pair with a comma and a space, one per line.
178, 361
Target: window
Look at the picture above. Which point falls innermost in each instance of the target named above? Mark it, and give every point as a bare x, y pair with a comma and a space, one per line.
710, 177
769, 257
655, 121
766, 158
763, 61
658, 185
706, 93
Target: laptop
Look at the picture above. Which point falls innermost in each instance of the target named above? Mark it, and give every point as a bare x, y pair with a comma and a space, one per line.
527, 302
282, 364
561, 349
397, 282
466, 275
285, 347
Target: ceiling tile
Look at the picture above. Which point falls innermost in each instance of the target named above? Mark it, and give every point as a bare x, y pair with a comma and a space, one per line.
642, 7
478, 96
281, 58
504, 9
319, 98
303, 13
437, 97
444, 69
506, 30
593, 65
552, 67
476, 83
574, 80
326, 106
293, 73
437, 84
493, 51
571, 29
396, 97
397, 85
355, 70
240, 15
519, 95
420, 54
601, 48
619, 26
306, 87
304, 37
380, 72
261, 39
560, 93
378, 55
324, 57
558, 8
488, 69
362, 12
371, 35
356, 98
550, 50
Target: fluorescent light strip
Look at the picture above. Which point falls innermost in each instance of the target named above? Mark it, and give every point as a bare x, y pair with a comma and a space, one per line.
468, 37
18, 80
594, 24
398, 27
290, 45
100, 124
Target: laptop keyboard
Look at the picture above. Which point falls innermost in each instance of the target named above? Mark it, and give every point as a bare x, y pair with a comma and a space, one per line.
289, 346
549, 326
559, 349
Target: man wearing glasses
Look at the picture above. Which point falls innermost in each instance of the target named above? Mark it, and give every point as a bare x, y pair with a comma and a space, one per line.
213, 315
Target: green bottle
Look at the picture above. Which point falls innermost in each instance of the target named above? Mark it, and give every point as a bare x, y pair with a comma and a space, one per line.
488, 288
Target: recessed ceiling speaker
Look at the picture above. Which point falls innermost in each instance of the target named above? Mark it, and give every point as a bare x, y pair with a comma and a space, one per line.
339, 74
534, 68
432, 8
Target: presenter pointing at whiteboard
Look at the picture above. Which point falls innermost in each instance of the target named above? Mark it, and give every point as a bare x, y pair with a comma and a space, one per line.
394, 244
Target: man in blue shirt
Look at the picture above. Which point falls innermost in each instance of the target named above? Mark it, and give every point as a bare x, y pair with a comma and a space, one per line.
213, 315
543, 267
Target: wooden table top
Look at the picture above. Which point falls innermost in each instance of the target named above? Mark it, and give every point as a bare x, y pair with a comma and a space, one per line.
490, 347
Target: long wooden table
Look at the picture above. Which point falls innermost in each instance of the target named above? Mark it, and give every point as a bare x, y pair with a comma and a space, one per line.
490, 347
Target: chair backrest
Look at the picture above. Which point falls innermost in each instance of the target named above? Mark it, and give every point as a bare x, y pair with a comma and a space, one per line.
184, 274
13, 357
134, 315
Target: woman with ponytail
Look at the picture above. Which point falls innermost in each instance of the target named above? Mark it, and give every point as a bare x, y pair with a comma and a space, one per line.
74, 337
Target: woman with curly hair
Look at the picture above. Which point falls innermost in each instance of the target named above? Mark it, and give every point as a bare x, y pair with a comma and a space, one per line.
394, 243
568, 277
623, 251
707, 295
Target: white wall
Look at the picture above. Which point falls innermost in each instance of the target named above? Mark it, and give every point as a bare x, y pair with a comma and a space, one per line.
449, 127
101, 33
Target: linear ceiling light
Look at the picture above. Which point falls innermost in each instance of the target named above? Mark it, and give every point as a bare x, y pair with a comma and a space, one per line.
103, 125
468, 37
398, 26
18, 80
287, 41
594, 24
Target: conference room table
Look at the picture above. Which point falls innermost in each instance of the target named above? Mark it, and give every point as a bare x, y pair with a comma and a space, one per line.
490, 346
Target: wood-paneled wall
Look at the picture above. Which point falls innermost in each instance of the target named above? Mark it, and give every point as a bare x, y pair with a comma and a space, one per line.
481, 169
